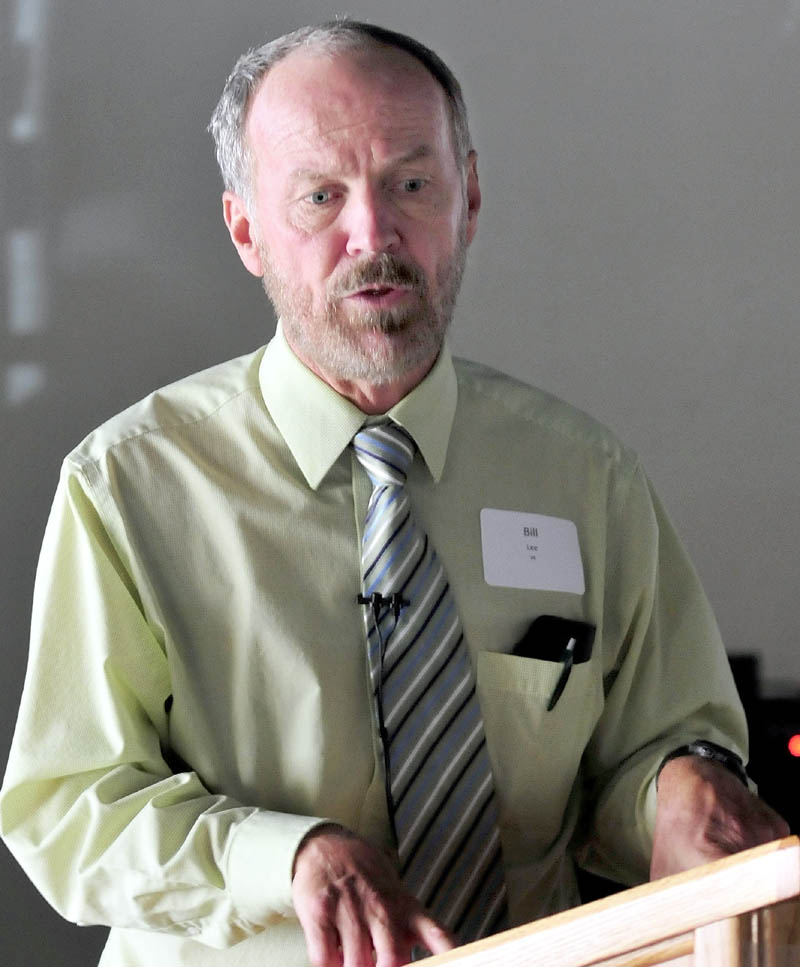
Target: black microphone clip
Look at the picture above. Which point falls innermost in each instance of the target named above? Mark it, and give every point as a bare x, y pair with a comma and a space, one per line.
396, 602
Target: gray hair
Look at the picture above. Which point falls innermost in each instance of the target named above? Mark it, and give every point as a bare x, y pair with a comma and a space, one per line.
228, 122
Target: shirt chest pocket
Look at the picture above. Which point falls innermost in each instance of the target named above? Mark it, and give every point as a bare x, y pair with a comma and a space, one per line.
535, 753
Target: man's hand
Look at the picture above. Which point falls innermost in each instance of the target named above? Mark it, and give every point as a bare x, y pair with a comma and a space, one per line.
353, 908
704, 813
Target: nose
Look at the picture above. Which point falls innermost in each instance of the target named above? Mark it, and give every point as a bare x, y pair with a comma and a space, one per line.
371, 223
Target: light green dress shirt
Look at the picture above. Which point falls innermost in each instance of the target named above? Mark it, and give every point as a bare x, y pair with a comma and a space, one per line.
197, 696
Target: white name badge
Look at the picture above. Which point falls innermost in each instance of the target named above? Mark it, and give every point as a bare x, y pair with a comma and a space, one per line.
531, 551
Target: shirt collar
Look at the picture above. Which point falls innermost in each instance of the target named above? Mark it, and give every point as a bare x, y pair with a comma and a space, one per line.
317, 423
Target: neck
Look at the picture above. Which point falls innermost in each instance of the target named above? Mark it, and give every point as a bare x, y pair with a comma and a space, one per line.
372, 398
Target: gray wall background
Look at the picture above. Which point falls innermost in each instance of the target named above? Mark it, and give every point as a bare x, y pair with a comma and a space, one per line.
638, 254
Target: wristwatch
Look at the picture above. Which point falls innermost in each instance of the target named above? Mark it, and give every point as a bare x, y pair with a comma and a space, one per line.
708, 750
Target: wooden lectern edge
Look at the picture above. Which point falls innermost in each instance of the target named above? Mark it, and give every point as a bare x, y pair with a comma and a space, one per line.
737, 884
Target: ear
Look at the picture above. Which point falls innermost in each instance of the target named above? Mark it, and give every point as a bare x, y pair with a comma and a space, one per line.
242, 232
473, 195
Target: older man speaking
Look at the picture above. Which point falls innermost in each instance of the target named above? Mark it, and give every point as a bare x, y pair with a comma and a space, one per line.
347, 648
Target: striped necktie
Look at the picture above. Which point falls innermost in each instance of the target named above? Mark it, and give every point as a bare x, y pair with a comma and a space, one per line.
439, 782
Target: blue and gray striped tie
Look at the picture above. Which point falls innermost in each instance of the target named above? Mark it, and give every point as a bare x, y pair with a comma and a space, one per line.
440, 788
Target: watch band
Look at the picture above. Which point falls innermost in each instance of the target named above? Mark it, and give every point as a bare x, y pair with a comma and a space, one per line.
708, 750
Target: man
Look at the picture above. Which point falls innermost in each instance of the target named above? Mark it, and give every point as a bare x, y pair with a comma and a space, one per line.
203, 753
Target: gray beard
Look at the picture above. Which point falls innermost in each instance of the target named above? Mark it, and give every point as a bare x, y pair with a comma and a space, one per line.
339, 343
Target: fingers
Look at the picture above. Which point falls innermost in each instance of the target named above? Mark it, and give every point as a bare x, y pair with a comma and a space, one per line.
704, 813
394, 948
431, 934
316, 911
353, 927
322, 942
769, 825
353, 907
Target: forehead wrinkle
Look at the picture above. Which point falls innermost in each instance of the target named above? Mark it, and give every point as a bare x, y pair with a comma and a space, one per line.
373, 85
346, 161
319, 123
391, 122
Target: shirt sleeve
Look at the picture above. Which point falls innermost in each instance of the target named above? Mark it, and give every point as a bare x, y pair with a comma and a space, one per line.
89, 807
667, 681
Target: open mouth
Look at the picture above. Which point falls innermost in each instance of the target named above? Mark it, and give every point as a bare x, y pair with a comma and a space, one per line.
381, 294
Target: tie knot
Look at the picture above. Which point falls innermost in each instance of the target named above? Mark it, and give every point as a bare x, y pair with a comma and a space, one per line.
385, 451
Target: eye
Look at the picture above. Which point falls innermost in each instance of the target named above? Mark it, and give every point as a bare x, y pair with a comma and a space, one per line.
320, 197
412, 185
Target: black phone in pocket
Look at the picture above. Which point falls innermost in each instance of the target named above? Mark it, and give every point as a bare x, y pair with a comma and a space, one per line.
563, 640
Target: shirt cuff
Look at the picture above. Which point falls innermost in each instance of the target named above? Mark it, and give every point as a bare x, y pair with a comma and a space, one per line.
260, 860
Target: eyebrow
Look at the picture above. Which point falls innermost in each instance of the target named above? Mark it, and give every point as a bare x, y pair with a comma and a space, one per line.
422, 151
300, 175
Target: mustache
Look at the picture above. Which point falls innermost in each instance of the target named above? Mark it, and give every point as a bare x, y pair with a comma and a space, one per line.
386, 269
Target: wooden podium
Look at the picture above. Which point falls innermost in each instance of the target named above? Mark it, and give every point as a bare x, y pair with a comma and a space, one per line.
742, 911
